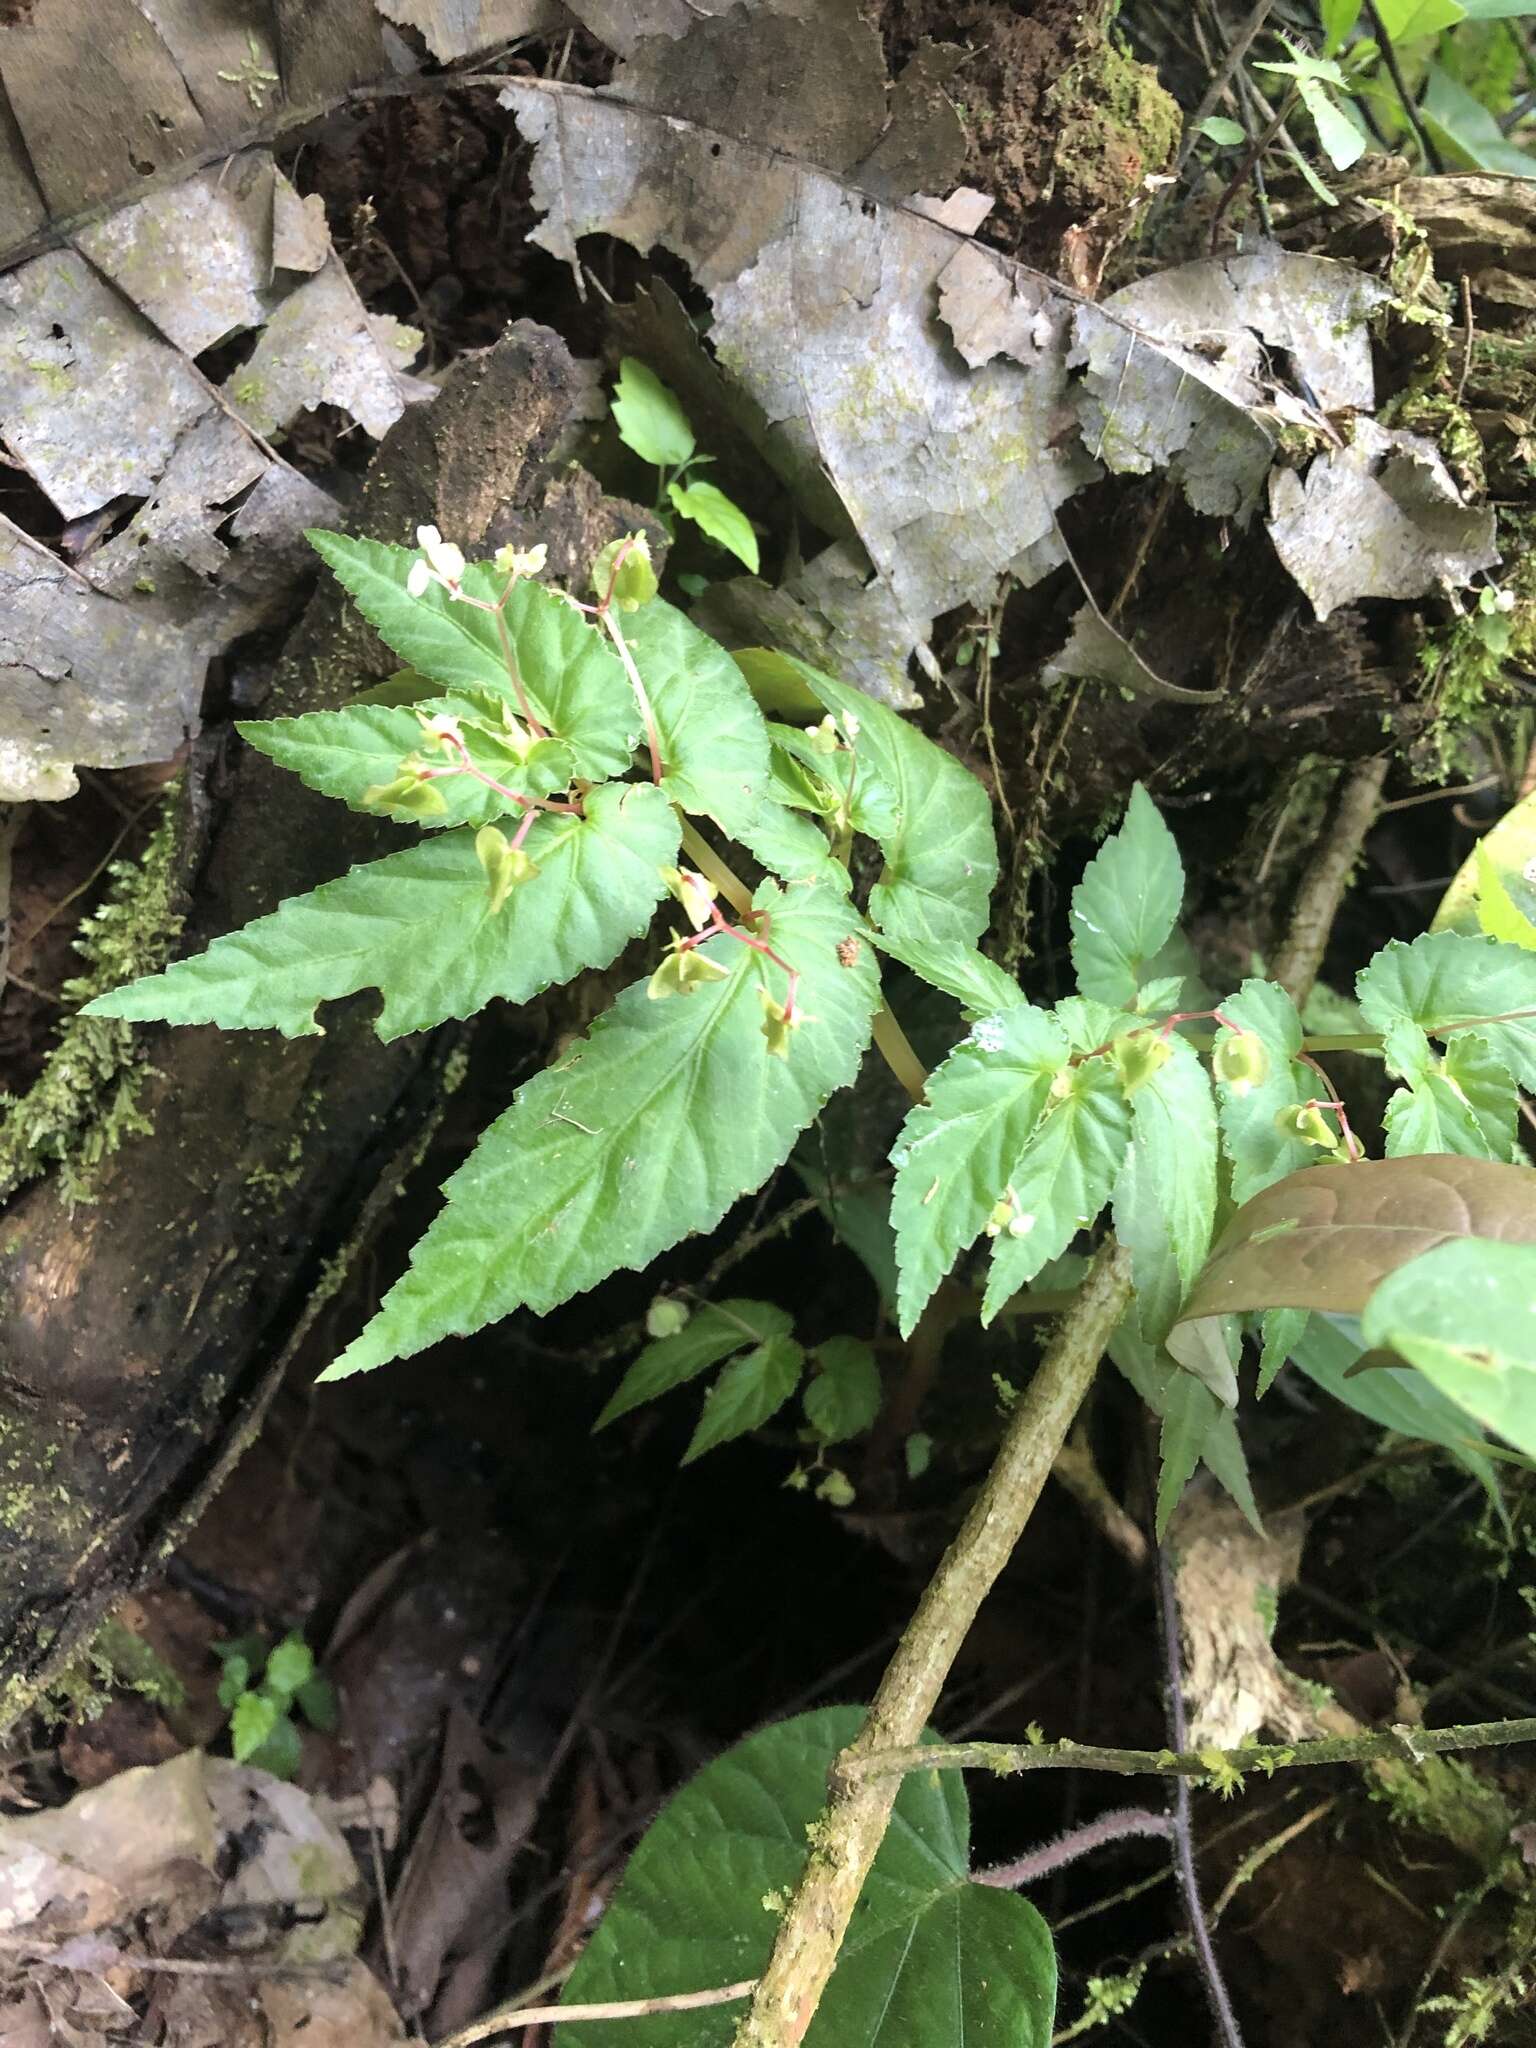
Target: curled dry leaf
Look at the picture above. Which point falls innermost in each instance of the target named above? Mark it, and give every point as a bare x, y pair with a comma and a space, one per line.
1323, 1237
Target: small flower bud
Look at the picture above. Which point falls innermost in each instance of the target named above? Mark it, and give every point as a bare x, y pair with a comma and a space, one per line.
1304, 1120
518, 562
779, 1021
666, 1316
410, 795
1241, 1061
1138, 1056
505, 865
695, 892
622, 574
824, 738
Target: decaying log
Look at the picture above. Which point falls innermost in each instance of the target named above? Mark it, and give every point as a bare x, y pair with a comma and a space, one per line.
141, 1333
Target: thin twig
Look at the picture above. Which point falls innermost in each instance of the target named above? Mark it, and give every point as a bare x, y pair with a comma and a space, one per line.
1237, 50
1221, 1766
617, 2009
1118, 1825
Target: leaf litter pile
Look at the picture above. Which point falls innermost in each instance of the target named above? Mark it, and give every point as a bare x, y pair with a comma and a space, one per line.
1132, 509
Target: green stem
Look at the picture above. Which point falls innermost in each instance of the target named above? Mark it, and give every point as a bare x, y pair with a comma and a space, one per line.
1401, 1744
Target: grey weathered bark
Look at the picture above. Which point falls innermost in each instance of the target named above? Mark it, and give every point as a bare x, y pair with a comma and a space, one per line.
141, 1333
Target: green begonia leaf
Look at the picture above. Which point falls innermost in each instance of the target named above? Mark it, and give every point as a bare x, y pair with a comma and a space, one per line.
1061, 1180
714, 749
750, 1389
648, 1129
940, 852
571, 676
1127, 904
418, 925
346, 753
958, 1150
710, 1334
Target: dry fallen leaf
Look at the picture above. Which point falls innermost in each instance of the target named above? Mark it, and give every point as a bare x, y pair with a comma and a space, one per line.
1379, 518
1323, 1237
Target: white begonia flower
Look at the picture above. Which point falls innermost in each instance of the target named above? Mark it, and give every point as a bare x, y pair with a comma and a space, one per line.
444, 562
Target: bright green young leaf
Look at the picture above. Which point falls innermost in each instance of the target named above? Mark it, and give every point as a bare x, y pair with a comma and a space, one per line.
1165, 1199
418, 926
650, 417
1443, 979
1061, 1180
1498, 914
290, 1664
1394, 1397
978, 984
1126, 905
1339, 18
714, 747
836, 786
750, 1389
252, 1722
1467, 131
571, 677
1465, 1315
647, 1130
718, 516
959, 1149
1465, 1102
1343, 141
1508, 853
792, 847
1497, 10
710, 1334
843, 1398
940, 854
1091, 1026
1224, 133
1196, 1427
1263, 1085
346, 753
1406, 21
282, 1752
1280, 1331
930, 1958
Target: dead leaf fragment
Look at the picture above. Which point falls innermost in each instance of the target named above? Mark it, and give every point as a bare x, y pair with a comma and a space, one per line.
1323, 1237
91, 399
1100, 653
458, 28
321, 347
1226, 333
1379, 518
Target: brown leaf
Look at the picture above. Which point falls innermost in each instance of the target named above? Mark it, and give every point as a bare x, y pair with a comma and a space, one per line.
1323, 1237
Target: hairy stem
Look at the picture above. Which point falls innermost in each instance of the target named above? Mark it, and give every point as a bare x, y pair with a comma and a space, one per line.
851, 1830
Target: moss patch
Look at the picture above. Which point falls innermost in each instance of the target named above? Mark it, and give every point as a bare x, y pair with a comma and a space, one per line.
84, 1103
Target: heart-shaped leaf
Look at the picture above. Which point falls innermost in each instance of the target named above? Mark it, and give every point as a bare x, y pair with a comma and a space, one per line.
930, 1958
